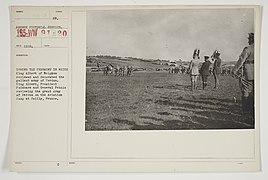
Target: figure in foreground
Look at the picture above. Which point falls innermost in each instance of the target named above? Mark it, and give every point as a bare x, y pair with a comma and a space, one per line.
244, 70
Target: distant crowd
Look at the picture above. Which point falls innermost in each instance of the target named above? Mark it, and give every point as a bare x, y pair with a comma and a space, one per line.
118, 71
225, 71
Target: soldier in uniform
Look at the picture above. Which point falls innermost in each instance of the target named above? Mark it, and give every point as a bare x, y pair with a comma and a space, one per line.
216, 67
204, 71
244, 70
193, 69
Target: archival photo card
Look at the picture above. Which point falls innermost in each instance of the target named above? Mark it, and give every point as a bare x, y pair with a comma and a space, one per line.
135, 89
169, 69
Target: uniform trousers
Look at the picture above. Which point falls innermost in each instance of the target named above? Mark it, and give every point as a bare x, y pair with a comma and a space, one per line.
247, 89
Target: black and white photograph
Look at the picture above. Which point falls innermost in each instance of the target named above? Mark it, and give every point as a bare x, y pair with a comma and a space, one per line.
169, 69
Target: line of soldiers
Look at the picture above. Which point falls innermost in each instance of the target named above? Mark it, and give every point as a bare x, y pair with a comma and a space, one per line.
177, 70
118, 71
225, 71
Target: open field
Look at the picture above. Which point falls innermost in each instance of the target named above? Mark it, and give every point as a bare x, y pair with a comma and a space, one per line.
153, 100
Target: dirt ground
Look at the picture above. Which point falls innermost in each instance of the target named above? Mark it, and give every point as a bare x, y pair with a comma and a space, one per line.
162, 101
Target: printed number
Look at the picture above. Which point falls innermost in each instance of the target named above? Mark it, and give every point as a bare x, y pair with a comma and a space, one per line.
63, 33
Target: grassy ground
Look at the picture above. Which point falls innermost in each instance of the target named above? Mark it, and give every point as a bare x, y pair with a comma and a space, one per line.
161, 101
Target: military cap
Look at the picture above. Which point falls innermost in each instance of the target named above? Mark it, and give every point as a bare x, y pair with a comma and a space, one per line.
217, 52
196, 53
251, 34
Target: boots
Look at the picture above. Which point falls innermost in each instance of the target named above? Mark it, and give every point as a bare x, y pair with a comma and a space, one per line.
204, 85
193, 85
244, 105
248, 109
216, 83
251, 105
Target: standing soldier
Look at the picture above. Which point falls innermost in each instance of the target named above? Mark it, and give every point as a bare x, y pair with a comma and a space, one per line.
216, 67
131, 70
116, 70
193, 69
98, 65
204, 71
244, 69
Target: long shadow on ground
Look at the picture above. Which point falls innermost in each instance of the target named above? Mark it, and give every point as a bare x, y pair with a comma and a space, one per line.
221, 114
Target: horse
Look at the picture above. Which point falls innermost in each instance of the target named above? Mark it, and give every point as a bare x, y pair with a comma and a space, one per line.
116, 70
108, 69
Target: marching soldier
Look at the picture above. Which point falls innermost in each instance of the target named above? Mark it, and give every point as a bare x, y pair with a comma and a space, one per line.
244, 70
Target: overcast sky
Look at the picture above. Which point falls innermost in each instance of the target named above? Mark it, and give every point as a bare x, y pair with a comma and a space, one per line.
168, 34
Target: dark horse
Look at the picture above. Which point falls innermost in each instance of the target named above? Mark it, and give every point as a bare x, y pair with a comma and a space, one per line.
108, 69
